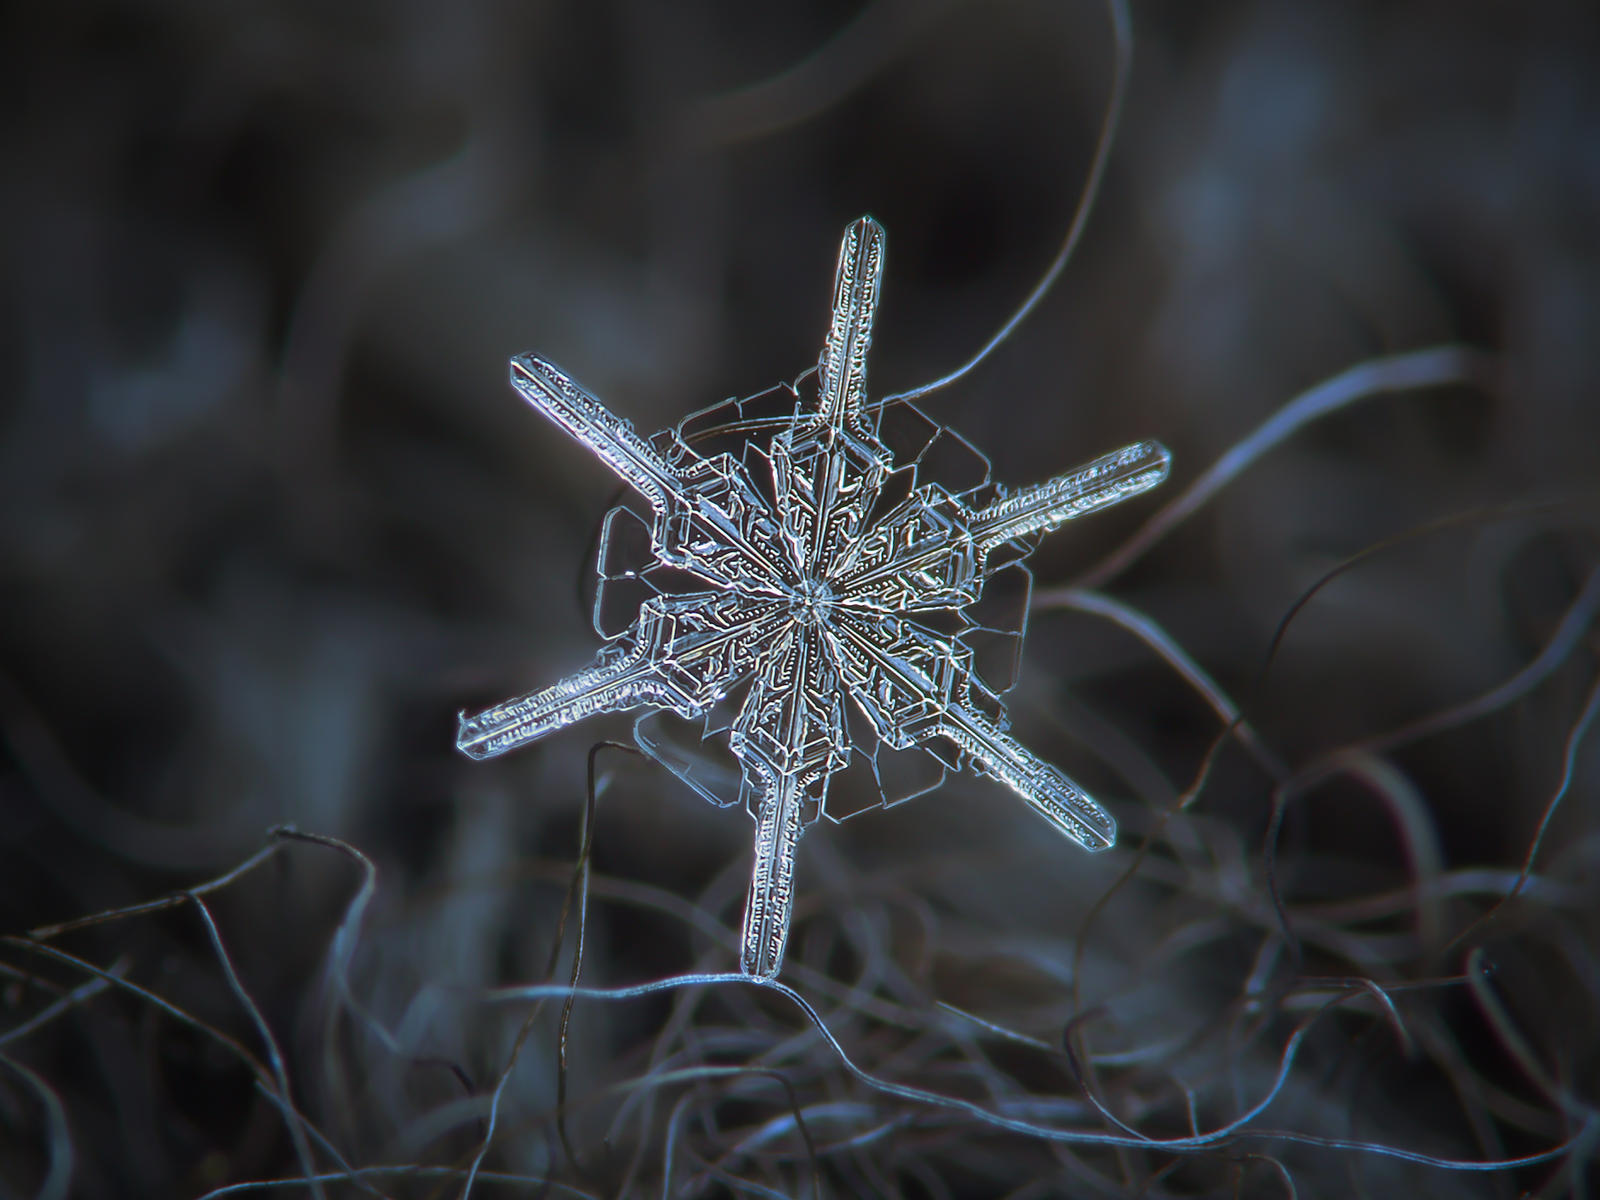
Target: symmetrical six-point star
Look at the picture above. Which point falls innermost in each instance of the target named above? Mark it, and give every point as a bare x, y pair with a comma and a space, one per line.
818, 586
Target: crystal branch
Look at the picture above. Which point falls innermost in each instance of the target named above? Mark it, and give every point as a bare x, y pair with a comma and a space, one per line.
1046, 790
1108, 480
609, 437
842, 369
771, 900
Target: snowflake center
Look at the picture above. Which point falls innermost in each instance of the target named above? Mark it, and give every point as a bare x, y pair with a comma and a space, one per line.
812, 602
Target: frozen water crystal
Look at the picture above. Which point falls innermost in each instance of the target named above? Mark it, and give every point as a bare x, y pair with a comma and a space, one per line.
816, 585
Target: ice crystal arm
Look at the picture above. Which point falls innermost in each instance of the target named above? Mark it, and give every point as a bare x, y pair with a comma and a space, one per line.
842, 370
930, 552
1047, 791
682, 653
918, 556
903, 676
611, 438
770, 904
915, 687
790, 736
792, 723
708, 517
1106, 481
824, 495
621, 677
829, 467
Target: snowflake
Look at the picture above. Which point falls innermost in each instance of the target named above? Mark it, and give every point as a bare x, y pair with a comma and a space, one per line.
824, 572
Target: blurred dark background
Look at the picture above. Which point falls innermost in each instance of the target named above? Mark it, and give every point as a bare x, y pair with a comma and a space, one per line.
271, 514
